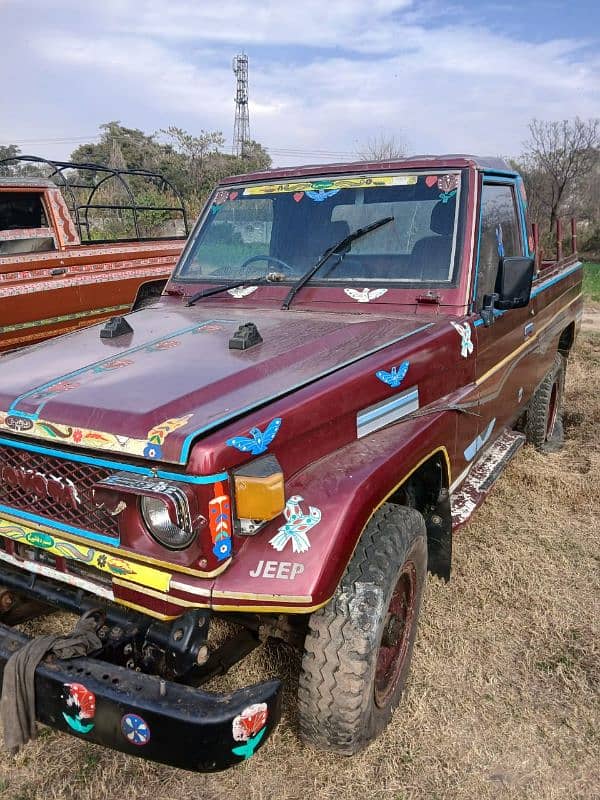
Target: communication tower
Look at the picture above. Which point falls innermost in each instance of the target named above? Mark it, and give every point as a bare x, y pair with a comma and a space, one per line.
241, 128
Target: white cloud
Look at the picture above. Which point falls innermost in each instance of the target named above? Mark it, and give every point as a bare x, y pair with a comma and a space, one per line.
324, 76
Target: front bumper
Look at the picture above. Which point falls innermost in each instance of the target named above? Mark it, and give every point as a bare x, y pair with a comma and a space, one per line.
143, 715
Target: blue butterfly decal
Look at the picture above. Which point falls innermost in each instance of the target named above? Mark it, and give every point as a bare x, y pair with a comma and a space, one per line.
321, 194
258, 442
395, 377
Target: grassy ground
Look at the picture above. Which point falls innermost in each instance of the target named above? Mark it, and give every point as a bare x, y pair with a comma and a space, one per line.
591, 280
503, 699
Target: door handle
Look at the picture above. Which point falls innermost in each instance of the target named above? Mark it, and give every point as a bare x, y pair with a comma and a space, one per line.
58, 271
528, 330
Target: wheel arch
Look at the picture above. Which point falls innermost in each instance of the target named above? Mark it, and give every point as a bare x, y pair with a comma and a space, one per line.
349, 486
427, 489
566, 340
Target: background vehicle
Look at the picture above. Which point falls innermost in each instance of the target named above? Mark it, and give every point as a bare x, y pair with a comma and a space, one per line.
64, 263
341, 366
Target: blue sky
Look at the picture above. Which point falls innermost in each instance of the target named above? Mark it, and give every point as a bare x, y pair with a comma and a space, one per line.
325, 75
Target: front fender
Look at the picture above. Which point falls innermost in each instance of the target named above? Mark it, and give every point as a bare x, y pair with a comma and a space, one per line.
297, 566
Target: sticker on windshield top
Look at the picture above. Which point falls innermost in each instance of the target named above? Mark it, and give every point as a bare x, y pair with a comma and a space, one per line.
323, 185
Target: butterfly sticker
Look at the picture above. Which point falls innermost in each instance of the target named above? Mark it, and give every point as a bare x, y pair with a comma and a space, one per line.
365, 295
242, 291
466, 345
257, 442
296, 527
395, 376
321, 194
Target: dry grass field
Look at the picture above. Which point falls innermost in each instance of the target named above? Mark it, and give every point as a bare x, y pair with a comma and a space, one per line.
504, 696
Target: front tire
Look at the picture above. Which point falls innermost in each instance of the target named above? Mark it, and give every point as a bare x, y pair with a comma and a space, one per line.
359, 646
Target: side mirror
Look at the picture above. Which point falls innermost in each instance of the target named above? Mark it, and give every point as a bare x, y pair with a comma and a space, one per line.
515, 276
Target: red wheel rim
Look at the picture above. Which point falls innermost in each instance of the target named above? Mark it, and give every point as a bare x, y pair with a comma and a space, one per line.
552, 410
395, 640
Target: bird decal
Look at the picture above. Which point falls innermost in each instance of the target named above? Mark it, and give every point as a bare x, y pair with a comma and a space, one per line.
395, 376
296, 527
365, 295
466, 345
241, 291
321, 194
258, 441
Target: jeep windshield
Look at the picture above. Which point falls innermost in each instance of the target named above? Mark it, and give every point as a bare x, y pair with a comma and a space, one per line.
283, 228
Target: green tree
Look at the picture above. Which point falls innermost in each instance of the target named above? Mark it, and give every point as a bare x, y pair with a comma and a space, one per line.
8, 151
557, 159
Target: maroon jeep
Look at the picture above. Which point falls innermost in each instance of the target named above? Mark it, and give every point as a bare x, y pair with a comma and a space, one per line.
342, 363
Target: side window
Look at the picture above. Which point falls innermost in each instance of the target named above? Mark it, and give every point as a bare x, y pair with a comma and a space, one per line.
500, 235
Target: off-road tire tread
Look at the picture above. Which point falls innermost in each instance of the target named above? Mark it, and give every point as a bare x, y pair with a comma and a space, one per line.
537, 412
335, 688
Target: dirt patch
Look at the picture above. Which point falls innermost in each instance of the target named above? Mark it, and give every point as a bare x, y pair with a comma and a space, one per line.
591, 318
503, 699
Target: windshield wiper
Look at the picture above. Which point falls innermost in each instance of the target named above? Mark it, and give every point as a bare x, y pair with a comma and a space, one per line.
342, 245
271, 277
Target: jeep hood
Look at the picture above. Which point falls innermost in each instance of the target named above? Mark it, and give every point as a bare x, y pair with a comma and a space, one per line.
149, 393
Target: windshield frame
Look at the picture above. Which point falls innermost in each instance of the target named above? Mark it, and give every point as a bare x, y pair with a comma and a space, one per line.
458, 236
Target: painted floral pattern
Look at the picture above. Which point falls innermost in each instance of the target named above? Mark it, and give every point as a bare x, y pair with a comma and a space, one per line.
249, 727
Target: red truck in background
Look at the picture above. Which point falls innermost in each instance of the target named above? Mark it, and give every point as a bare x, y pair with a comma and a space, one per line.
57, 273
343, 362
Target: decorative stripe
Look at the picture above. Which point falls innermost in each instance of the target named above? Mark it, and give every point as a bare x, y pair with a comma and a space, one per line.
267, 598
523, 346
117, 551
116, 566
50, 523
377, 416
117, 465
164, 596
38, 323
551, 281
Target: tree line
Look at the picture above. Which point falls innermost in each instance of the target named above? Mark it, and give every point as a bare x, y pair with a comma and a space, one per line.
560, 165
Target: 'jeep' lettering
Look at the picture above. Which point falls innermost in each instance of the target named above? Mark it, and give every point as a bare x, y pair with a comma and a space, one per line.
284, 570
61, 490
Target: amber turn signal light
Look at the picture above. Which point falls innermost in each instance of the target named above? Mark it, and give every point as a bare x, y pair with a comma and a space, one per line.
259, 489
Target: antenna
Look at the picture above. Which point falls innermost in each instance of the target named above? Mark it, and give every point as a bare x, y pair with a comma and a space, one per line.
241, 127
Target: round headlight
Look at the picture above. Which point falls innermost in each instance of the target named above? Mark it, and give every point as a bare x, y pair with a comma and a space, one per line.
156, 516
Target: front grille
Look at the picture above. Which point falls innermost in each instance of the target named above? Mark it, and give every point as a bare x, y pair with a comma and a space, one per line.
59, 472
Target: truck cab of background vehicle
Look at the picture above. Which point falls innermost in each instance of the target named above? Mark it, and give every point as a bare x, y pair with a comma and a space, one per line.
326, 390
81, 247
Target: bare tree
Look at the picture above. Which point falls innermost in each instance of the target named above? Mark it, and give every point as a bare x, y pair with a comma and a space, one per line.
559, 155
382, 148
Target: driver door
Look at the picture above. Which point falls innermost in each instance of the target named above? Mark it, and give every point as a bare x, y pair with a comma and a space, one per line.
502, 370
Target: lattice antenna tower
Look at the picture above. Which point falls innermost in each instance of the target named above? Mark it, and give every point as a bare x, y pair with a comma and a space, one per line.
241, 128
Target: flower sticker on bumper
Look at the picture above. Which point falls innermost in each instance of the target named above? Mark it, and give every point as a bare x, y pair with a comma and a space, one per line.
249, 727
81, 707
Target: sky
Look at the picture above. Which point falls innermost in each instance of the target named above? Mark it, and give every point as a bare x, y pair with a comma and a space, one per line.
326, 76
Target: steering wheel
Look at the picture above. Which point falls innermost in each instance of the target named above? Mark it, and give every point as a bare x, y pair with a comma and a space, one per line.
271, 259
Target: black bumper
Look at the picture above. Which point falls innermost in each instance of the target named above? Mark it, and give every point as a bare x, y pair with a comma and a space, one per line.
145, 716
